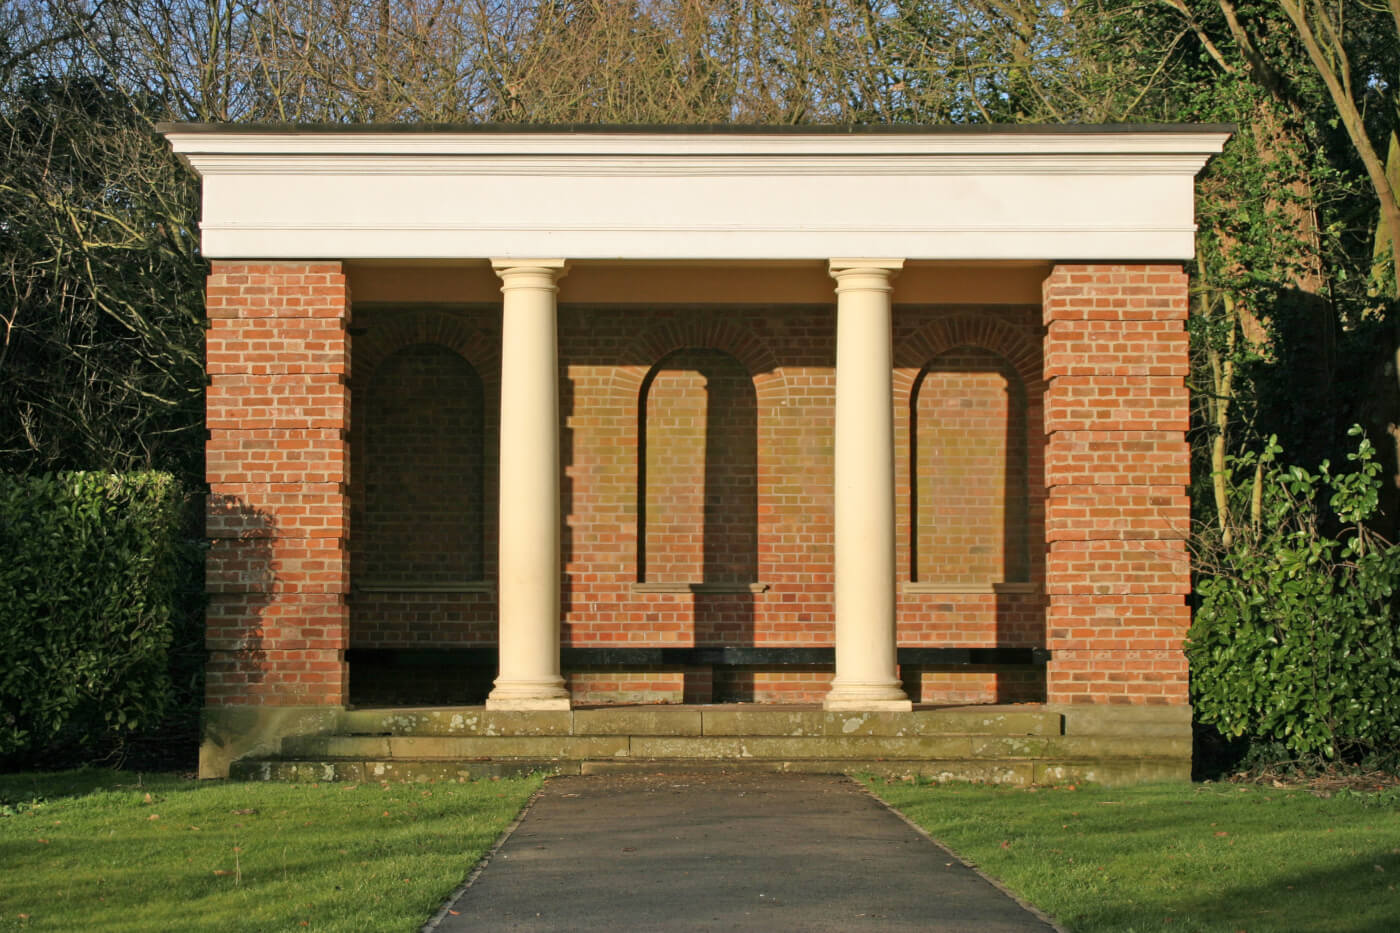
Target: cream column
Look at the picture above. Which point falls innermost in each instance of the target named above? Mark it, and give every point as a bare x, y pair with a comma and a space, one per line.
528, 591
866, 660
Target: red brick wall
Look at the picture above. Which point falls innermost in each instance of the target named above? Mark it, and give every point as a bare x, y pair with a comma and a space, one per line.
1116, 469
278, 410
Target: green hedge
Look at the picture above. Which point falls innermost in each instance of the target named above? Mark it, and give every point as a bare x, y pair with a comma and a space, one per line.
89, 578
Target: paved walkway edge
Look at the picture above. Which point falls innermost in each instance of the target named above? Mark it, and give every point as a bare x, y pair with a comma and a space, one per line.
1025, 905
461, 889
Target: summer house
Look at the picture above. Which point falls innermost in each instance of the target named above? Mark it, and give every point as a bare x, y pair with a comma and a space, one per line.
521, 422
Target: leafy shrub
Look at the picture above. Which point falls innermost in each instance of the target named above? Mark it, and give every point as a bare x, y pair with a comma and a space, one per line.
1295, 640
89, 576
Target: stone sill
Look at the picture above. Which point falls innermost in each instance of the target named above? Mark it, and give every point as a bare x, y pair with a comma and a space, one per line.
410, 586
954, 589
700, 588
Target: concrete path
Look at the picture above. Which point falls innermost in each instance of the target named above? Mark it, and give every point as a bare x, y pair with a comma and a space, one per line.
724, 852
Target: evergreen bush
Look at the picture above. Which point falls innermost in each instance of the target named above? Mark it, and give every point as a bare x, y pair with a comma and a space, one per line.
90, 575
1294, 642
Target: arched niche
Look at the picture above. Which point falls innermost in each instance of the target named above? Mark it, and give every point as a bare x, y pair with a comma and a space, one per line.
697, 486
969, 471
424, 469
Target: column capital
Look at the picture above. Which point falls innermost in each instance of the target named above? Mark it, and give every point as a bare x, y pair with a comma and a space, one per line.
864, 275
887, 267
519, 272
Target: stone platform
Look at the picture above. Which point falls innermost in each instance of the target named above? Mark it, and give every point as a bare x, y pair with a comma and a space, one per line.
1017, 744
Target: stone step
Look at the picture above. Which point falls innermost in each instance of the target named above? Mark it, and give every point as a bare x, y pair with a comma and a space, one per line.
1112, 771
331, 770
735, 747
1088, 719
699, 721
1018, 744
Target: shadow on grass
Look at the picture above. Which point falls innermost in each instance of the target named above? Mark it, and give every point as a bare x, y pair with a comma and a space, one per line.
25, 788
160, 852
1353, 903
1178, 857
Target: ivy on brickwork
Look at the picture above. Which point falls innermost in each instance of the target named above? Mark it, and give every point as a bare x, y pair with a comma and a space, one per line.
91, 567
1296, 641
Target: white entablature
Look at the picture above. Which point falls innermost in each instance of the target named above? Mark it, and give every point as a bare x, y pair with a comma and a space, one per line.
969, 193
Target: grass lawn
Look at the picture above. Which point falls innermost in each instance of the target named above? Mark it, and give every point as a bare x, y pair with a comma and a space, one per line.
113, 851
1177, 857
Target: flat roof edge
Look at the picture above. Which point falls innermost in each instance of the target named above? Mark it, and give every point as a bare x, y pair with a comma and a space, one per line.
726, 129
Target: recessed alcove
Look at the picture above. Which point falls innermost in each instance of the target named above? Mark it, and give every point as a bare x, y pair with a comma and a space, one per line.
969, 475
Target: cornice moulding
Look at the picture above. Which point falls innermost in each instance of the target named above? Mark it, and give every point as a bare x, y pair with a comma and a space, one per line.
681, 144
691, 166
990, 195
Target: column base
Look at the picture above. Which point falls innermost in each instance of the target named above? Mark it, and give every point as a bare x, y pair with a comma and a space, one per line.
867, 698
546, 695
529, 703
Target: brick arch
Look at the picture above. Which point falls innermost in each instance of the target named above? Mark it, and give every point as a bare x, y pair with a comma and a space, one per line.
698, 333
1019, 348
437, 328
